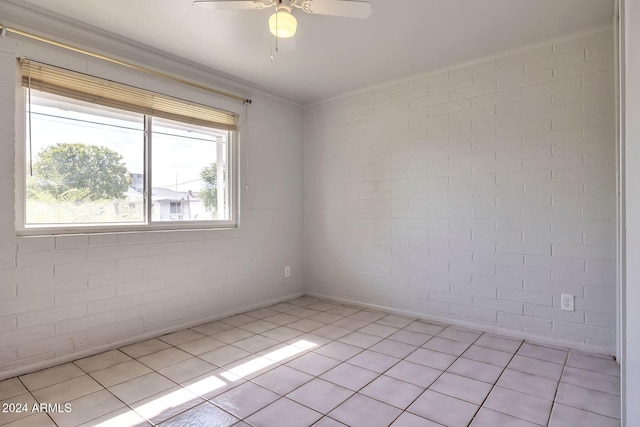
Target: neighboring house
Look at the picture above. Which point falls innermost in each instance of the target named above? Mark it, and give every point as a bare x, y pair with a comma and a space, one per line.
167, 204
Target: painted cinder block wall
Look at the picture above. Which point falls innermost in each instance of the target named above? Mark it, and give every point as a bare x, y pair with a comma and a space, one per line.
476, 194
66, 296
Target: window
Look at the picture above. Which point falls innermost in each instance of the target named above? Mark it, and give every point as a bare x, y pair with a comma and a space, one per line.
175, 207
96, 163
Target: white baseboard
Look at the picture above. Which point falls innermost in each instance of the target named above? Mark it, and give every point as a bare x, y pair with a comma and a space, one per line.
37, 366
531, 337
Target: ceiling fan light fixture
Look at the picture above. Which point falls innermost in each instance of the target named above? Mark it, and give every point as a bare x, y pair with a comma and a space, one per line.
283, 24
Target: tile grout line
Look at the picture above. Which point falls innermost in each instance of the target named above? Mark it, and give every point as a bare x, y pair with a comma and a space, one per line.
346, 361
400, 360
281, 396
153, 370
553, 406
231, 344
110, 392
341, 362
444, 327
269, 370
334, 340
324, 323
34, 398
88, 375
314, 377
379, 374
426, 388
204, 400
495, 384
443, 372
565, 366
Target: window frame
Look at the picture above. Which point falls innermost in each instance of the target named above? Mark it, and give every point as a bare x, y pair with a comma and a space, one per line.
22, 229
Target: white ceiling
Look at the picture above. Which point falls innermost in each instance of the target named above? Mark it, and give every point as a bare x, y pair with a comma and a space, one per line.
334, 55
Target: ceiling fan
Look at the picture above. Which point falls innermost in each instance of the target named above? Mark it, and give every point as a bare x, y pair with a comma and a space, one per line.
282, 23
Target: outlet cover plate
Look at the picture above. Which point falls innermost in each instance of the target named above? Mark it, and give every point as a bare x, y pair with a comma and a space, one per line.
567, 302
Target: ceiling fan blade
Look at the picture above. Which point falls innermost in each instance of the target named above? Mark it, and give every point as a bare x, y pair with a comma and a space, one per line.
347, 8
229, 4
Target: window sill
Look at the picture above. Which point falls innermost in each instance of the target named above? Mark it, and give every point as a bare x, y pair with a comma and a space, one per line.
120, 229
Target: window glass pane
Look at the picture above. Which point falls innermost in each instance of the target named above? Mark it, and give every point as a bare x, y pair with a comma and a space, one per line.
88, 163
189, 172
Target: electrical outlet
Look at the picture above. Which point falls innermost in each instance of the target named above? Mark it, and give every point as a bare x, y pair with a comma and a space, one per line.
566, 302
287, 271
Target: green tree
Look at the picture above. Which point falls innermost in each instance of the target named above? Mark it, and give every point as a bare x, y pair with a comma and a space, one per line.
71, 169
209, 194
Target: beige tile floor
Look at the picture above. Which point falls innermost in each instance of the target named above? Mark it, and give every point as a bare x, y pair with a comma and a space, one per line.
309, 362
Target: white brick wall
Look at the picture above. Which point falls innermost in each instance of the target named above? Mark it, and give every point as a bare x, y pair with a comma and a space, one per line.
481, 192
68, 295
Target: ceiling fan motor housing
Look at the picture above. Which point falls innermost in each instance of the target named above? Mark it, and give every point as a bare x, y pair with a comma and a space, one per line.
282, 23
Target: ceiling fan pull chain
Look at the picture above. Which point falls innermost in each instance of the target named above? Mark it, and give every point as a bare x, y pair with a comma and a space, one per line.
277, 29
274, 37
271, 46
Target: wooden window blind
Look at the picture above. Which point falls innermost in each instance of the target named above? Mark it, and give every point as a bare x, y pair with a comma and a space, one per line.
100, 91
